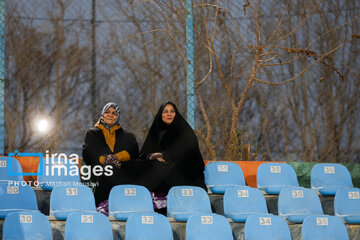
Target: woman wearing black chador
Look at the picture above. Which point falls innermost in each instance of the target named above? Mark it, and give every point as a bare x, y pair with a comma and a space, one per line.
172, 147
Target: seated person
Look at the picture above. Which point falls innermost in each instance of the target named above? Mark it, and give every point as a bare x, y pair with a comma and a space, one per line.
109, 144
172, 147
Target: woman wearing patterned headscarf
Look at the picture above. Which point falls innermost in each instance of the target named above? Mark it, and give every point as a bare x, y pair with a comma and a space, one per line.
109, 144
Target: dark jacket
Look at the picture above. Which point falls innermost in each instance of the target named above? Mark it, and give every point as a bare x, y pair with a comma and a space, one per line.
95, 146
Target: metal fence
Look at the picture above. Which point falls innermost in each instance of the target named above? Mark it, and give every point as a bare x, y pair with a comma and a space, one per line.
273, 79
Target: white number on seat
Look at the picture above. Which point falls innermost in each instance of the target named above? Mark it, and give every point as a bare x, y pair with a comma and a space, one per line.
322, 221
2, 163
243, 193
354, 195
187, 192
71, 191
87, 218
297, 193
130, 192
25, 218
275, 169
12, 190
223, 168
265, 221
329, 170
147, 219
207, 220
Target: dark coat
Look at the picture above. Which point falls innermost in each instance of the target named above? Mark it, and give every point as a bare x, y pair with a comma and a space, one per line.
179, 146
95, 146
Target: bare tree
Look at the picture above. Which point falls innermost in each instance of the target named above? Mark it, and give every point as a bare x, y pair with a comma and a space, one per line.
266, 54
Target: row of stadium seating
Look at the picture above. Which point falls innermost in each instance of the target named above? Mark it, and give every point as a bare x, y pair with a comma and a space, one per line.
238, 198
93, 225
326, 178
185, 203
294, 203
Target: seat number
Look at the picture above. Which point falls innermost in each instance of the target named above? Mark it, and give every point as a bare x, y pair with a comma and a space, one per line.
2, 163
354, 195
130, 192
243, 193
87, 218
71, 191
12, 190
264, 221
223, 168
275, 169
25, 219
329, 170
322, 221
147, 219
297, 193
187, 192
207, 220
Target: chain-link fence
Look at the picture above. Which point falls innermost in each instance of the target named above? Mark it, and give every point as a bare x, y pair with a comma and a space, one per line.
273, 80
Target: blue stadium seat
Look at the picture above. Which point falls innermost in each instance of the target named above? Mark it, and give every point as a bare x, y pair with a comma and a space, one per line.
347, 204
273, 177
327, 178
221, 175
125, 200
296, 203
16, 198
89, 226
60, 172
266, 227
29, 225
317, 227
149, 225
208, 226
66, 200
16, 169
240, 202
183, 201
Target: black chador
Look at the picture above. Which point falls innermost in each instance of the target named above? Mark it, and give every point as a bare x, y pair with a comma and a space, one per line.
179, 146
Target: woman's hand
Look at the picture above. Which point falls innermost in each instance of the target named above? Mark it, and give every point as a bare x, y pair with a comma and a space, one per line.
157, 156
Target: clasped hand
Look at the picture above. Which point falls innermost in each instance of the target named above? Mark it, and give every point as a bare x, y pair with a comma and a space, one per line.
157, 156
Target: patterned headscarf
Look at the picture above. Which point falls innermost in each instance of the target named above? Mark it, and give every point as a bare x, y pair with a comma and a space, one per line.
105, 108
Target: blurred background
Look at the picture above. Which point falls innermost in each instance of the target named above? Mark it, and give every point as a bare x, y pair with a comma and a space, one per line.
274, 80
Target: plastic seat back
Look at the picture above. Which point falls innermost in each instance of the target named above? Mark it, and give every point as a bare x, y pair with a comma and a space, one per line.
89, 226
183, 201
221, 175
317, 227
29, 225
66, 200
208, 226
266, 227
149, 225
347, 204
327, 178
10, 170
125, 200
296, 203
16, 198
240, 202
58, 172
273, 177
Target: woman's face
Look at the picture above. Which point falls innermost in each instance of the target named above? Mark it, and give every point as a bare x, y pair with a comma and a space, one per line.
110, 116
168, 114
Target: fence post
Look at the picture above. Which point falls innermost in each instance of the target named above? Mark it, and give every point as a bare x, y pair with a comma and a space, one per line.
2, 75
190, 62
